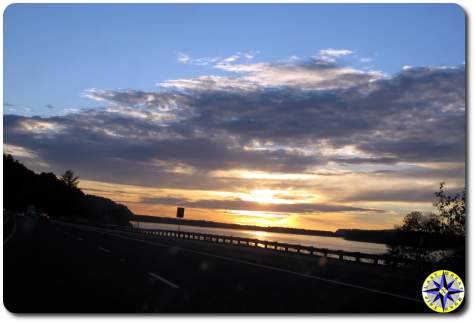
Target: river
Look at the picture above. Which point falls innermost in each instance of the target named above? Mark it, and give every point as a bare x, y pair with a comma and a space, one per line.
334, 243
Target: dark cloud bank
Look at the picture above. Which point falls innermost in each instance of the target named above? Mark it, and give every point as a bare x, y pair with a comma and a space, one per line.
243, 121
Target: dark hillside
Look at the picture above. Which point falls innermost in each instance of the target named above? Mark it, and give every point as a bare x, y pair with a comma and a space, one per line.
23, 188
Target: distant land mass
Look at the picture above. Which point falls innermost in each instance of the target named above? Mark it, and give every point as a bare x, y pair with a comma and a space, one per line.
24, 189
374, 236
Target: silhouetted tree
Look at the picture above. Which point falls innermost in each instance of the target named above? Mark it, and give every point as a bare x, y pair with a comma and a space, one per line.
420, 234
59, 197
416, 221
451, 211
69, 179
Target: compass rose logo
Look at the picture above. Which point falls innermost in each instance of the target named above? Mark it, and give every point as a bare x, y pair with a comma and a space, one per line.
443, 291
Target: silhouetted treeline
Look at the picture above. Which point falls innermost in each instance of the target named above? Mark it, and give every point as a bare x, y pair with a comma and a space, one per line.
407, 238
23, 188
427, 240
376, 236
211, 224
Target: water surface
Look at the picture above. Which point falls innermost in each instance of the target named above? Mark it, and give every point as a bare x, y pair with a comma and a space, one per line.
334, 243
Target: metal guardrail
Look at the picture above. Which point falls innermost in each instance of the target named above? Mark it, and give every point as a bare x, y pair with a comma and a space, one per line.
375, 259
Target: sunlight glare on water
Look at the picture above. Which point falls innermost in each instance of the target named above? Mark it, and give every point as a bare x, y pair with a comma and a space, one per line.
333, 243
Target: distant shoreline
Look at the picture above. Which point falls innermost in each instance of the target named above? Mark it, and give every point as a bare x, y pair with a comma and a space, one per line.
374, 236
212, 224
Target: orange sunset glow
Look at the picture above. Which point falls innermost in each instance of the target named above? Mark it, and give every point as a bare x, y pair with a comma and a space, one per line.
310, 143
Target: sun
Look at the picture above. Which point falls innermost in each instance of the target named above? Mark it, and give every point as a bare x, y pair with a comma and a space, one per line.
264, 196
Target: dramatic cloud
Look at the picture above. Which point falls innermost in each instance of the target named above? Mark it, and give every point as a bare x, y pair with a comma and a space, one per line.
398, 195
313, 74
254, 206
300, 123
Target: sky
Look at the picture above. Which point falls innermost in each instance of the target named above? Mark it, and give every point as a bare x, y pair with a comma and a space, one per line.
312, 116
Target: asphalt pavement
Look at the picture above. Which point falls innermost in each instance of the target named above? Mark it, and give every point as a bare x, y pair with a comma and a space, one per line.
54, 267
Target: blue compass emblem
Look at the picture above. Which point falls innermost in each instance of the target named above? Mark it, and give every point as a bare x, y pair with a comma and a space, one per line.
443, 291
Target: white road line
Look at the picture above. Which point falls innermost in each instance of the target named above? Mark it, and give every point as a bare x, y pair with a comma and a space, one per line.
5, 241
166, 281
104, 249
331, 281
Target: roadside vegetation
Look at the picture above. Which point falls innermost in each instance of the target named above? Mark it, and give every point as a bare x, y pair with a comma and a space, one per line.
435, 237
45, 193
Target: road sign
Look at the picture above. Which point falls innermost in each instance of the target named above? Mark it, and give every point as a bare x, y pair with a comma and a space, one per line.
180, 212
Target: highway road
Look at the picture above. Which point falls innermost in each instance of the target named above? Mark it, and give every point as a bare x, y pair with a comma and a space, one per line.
54, 267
